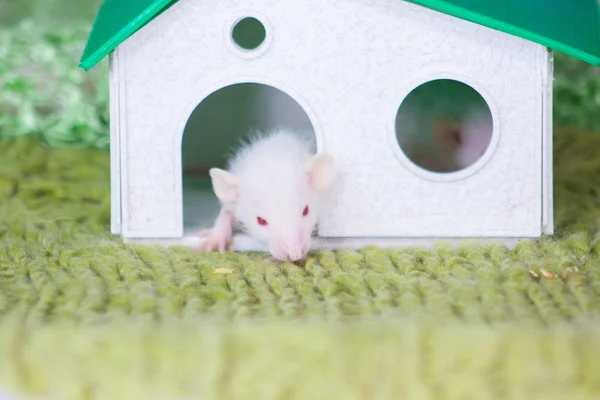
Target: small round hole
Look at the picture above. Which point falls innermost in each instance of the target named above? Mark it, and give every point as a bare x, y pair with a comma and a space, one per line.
444, 126
249, 33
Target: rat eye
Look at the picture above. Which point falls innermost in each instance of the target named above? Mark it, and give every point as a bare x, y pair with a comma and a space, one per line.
261, 221
305, 211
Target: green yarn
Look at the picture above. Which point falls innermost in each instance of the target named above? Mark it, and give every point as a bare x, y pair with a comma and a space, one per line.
390, 360
84, 316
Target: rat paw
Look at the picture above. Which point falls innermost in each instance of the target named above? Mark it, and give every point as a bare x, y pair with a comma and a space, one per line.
215, 239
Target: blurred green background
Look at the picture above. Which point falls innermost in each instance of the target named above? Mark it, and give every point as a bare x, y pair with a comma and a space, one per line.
50, 11
43, 92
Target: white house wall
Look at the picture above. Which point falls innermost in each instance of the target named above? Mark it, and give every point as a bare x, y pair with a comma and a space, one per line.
349, 63
547, 64
115, 148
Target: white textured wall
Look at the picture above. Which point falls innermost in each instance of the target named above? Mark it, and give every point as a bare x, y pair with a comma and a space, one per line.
349, 63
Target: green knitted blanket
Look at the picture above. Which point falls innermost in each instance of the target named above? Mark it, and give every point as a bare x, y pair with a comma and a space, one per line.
83, 316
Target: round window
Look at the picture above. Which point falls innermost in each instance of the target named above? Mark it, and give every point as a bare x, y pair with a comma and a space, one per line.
444, 126
248, 33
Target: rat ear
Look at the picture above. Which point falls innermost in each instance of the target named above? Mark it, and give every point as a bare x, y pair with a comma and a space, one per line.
447, 133
321, 171
224, 185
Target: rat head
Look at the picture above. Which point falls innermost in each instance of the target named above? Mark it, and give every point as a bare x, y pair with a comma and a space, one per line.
279, 206
468, 140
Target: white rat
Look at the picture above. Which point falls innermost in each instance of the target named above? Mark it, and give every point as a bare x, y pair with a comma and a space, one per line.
274, 188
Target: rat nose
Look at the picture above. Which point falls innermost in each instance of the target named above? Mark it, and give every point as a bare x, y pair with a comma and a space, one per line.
292, 257
295, 253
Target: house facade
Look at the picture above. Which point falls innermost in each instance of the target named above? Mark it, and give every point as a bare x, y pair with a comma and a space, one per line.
349, 64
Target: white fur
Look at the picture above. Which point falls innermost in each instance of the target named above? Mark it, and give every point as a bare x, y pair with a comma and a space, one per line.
224, 185
274, 177
464, 142
476, 136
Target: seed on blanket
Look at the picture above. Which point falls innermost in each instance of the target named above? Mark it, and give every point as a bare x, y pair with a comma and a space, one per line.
534, 274
570, 271
223, 271
547, 274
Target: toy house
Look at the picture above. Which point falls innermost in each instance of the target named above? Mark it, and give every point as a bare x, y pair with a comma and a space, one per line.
344, 69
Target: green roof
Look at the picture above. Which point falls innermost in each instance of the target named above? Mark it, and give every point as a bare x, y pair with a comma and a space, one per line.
568, 26
116, 21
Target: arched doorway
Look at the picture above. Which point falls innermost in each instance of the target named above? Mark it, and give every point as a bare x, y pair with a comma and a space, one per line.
216, 128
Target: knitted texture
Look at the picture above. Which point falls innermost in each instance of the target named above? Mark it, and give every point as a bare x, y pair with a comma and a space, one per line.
84, 316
